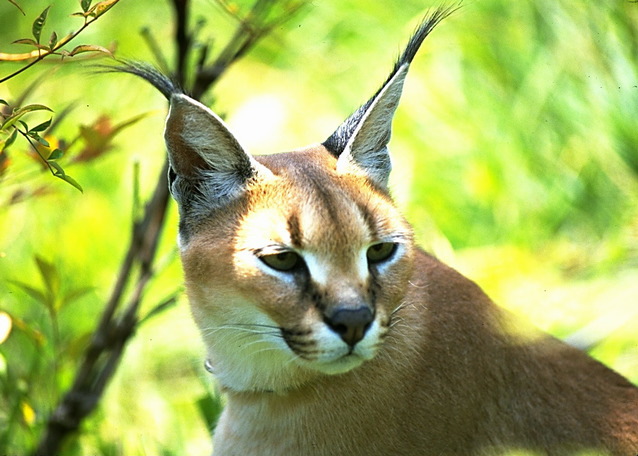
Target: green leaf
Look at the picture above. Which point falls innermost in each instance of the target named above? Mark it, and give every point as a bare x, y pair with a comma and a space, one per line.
56, 154
41, 140
58, 172
39, 23
9, 140
69, 180
43, 126
35, 107
50, 275
31, 108
15, 116
33, 292
9, 122
86, 4
38, 138
76, 294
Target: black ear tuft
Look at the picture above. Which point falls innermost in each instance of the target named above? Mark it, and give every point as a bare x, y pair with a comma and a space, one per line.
149, 73
423, 30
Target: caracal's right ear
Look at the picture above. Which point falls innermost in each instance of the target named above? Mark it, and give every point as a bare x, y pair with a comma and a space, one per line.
208, 166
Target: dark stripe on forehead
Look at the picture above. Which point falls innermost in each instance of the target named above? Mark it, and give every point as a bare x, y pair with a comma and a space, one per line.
327, 197
369, 219
294, 229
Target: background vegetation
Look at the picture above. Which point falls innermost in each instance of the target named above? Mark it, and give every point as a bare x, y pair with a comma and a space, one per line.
516, 158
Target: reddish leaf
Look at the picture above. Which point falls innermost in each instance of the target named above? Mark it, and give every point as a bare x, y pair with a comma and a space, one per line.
98, 137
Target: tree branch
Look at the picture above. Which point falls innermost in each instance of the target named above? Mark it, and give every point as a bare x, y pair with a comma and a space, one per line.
182, 39
109, 339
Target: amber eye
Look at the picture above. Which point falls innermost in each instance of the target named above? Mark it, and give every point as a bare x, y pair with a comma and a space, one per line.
380, 252
284, 261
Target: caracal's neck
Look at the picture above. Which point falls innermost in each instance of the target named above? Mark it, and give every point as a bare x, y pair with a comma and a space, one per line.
329, 415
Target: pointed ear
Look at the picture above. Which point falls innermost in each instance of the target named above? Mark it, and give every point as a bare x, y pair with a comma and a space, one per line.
208, 165
366, 151
361, 142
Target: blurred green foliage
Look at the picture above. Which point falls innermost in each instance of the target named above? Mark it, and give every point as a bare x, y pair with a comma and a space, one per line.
516, 158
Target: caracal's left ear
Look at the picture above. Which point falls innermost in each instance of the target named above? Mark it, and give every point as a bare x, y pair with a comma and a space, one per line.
361, 142
208, 167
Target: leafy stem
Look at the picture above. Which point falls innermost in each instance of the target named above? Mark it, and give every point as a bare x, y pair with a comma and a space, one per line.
53, 166
90, 15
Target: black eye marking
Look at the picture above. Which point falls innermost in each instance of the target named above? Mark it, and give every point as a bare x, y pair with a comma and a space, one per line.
383, 251
283, 261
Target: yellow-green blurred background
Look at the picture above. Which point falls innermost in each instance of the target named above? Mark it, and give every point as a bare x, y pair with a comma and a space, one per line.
515, 157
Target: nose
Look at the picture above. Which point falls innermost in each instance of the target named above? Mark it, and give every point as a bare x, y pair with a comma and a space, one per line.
351, 324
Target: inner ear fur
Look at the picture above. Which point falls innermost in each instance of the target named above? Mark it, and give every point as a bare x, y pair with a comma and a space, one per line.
204, 152
198, 140
366, 151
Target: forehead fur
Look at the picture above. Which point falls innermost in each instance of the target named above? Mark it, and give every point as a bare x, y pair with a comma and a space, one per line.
309, 204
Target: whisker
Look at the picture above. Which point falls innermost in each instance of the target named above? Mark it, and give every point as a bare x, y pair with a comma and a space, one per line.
293, 358
246, 328
256, 325
400, 307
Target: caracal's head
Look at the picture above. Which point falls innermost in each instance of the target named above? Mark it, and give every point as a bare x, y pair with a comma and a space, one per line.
295, 263
299, 275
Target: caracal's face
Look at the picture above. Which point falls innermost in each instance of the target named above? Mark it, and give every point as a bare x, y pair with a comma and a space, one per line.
299, 277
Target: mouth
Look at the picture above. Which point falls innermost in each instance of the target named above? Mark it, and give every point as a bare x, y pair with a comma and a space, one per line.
322, 350
337, 366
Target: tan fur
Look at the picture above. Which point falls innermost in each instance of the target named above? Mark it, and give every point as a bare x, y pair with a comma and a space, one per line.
454, 374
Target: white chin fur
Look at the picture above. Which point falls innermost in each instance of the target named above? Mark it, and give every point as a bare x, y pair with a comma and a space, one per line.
339, 366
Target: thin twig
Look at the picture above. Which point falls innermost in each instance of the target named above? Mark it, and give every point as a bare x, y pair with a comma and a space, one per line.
37, 151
